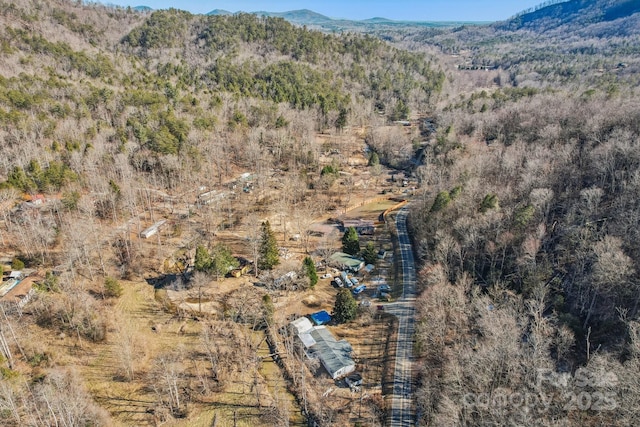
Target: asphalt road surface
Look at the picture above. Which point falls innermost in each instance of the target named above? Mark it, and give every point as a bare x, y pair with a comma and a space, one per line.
402, 413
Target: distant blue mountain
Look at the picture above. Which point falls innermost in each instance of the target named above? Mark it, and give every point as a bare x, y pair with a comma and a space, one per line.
311, 18
142, 9
220, 12
378, 20
302, 16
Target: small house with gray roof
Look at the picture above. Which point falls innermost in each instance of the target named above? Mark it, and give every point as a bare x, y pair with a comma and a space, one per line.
319, 342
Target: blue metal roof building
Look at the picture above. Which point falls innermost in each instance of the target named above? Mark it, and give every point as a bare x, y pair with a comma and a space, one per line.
321, 317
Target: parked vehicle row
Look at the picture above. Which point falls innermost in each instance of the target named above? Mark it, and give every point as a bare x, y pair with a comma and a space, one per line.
344, 279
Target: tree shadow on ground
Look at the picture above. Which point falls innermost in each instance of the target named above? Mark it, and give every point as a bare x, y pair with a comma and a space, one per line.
165, 280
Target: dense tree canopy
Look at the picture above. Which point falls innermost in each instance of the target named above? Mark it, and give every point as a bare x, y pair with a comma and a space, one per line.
202, 260
222, 260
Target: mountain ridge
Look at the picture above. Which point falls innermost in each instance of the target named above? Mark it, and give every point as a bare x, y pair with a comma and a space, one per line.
310, 17
219, 12
573, 13
299, 16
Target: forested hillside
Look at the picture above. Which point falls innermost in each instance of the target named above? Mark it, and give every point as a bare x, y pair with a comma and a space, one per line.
528, 229
531, 251
93, 97
591, 44
573, 13
176, 79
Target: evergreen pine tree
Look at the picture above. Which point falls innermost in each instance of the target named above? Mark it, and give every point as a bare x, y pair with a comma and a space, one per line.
268, 248
369, 253
310, 269
222, 261
351, 242
17, 264
442, 200
341, 121
203, 259
346, 307
374, 159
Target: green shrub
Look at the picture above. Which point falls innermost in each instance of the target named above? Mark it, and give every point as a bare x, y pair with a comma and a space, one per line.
17, 264
112, 288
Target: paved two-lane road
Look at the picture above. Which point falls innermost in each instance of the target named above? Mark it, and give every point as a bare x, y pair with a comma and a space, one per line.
402, 413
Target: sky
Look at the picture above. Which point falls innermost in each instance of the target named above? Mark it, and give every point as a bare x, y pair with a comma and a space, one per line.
405, 10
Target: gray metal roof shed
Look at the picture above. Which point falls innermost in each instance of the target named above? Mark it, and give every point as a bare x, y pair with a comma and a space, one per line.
335, 355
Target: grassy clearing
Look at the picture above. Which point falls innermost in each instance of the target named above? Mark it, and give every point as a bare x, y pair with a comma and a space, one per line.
371, 211
133, 317
278, 388
150, 331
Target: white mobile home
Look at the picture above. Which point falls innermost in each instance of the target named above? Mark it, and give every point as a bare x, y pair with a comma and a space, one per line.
148, 232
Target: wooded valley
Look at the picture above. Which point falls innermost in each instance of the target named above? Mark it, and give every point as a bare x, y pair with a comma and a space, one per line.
518, 142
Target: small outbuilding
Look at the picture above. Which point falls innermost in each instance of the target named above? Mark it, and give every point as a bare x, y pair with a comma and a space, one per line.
363, 227
17, 294
321, 317
148, 232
